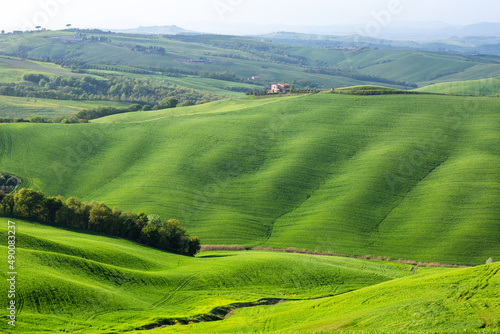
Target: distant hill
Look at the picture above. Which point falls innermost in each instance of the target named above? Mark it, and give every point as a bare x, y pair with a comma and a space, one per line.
241, 64
467, 44
485, 87
155, 30
397, 30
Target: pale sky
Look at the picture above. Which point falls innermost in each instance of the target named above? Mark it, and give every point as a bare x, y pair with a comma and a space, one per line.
189, 14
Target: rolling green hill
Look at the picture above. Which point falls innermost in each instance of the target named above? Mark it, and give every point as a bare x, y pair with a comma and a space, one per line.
77, 282
472, 87
195, 55
74, 281
458, 301
405, 176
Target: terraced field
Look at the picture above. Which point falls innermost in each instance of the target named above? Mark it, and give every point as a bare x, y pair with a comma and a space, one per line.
404, 176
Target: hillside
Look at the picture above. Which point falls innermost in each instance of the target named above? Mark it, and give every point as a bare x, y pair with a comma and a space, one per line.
405, 176
472, 87
76, 281
459, 301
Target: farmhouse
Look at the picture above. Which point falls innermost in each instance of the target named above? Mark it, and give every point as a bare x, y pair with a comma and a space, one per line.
280, 88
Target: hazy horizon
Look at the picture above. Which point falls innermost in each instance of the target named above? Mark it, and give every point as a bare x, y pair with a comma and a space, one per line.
203, 15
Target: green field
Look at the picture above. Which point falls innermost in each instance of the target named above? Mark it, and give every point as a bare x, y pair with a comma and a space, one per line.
405, 176
487, 87
70, 280
13, 69
77, 282
24, 107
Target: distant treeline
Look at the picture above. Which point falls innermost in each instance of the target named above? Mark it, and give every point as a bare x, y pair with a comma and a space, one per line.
99, 112
142, 91
149, 230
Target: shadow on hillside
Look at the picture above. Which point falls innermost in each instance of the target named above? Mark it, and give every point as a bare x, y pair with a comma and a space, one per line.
213, 256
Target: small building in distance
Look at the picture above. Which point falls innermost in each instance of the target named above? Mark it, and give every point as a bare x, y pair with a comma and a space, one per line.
281, 88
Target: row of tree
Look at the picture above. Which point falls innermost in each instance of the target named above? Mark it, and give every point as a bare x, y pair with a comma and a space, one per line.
149, 230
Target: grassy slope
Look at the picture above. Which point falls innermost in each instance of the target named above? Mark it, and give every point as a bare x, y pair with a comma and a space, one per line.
408, 176
69, 281
26, 107
456, 301
472, 87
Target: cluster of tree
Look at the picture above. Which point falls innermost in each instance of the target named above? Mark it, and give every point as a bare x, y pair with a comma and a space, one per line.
150, 49
38, 119
12, 120
142, 91
226, 76
7, 182
100, 39
348, 73
149, 230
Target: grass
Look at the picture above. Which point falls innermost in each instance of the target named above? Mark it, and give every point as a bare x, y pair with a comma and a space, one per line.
24, 107
13, 69
450, 302
487, 87
401, 176
71, 280
75, 281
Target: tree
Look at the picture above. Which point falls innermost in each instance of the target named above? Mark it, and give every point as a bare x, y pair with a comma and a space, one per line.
52, 205
173, 236
155, 220
29, 200
3, 32
186, 103
135, 107
150, 235
9, 202
194, 246
100, 217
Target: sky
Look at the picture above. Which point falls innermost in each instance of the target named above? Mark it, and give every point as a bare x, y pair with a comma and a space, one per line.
197, 14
